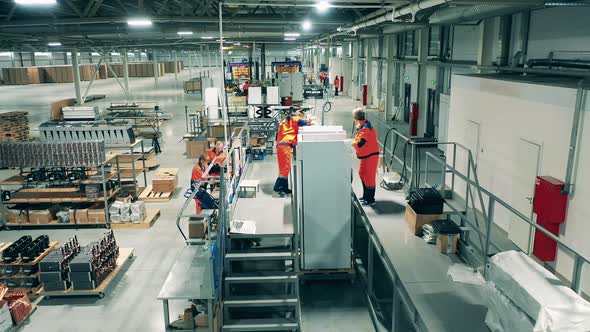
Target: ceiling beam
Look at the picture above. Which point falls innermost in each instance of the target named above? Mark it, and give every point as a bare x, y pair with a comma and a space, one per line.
97, 5
74, 7
10, 13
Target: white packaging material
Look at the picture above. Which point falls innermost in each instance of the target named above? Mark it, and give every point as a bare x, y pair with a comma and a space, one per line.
465, 274
126, 208
254, 95
503, 315
540, 294
125, 216
138, 207
115, 208
136, 218
115, 217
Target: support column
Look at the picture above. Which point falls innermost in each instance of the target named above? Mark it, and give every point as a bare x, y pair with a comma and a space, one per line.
208, 58
318, 54
302, 55
421, 94
380, 70
354, 87
126, 71
190, 64
76, 71
263, 61
250, 51
390, 77
175, 65
155, 56
369, 71
32, 58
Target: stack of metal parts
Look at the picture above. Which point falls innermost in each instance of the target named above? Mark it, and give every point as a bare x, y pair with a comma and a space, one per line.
71, 113
55, 154
54, 267
94, 263
118, 133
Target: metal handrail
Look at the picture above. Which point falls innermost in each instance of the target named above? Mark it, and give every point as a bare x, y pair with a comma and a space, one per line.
580, 260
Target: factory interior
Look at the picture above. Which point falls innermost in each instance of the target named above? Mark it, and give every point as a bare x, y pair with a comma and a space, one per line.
294, 165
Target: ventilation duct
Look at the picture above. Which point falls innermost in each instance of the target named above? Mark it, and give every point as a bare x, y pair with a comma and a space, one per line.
558, 63
474, 13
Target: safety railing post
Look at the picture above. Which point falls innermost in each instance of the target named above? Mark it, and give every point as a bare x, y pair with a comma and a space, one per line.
577, 274
455, 167
491, 205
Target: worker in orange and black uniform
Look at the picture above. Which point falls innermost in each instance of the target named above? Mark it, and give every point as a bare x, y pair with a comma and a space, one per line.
197, 178
245, 88
336, 85
367, 150
216, 156
286, 141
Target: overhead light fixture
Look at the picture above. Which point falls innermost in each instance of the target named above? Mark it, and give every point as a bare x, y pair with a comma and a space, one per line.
230, 52
237, 44
207, 37
306, 25
322, 6
115, 53
139, 22
292, 34
290, 38
54, 44
184, 33
35, 2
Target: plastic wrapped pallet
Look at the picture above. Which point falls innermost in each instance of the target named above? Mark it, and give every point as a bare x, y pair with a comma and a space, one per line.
138, 207
503, 315
115, 217
115, 208
539, 293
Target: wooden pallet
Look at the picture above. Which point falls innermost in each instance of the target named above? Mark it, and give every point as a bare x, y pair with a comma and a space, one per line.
125, 255
151, 215
148, 195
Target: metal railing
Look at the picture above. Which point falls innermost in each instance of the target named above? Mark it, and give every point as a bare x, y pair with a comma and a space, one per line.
492, 203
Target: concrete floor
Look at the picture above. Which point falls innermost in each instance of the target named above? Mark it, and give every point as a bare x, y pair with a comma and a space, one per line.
130, 304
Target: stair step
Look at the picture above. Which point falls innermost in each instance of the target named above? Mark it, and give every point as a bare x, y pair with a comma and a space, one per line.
256, 326
242, 256
260, 302
261, 278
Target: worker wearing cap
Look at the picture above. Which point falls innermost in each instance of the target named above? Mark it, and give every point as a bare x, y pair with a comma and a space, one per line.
216, 156
367, 150
336, 85
286, 141
197, 178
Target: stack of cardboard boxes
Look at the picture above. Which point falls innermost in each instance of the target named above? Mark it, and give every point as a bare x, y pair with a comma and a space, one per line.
14, 126
166, 180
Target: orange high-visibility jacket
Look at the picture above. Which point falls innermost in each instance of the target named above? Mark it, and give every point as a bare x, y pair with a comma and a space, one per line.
216, 158
288, 130
365, 141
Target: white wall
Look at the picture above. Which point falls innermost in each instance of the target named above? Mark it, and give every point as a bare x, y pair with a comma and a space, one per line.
559, 29
509, 111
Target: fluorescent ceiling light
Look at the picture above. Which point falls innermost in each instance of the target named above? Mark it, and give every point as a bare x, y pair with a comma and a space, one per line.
322, 6
35, 2
94, 54
237, 44
115, 53
139, 22
292, 34
306, 25
290, 38
54, 44
230, 52
207, 37
182, 33
6, 54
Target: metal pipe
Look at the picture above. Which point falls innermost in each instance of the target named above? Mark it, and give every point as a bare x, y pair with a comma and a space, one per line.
76, 70
576, 124
563, 63
474, 13
222, 74
332, 5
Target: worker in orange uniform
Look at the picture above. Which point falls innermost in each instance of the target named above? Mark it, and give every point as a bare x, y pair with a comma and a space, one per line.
336, 85
245, 88
286, 141
197, 178
367, 150
216, 156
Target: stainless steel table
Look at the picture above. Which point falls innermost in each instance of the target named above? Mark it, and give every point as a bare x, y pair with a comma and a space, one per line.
191, 278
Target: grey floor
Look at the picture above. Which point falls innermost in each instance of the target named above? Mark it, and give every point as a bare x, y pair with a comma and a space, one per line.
131, 304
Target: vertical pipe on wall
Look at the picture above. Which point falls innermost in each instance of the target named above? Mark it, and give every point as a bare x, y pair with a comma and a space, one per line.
263, 60
155, 56
389, 78
76, 71
576, 124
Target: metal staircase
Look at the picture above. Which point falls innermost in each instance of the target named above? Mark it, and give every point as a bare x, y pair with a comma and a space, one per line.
261, 283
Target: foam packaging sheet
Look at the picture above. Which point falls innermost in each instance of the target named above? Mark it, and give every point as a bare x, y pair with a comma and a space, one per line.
503, 315
540, 294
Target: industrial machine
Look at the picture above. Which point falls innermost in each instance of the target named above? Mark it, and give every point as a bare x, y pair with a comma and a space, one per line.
323, 193
291, 85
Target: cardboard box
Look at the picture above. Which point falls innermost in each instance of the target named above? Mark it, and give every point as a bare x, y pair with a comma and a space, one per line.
15, 216
5, 317
166, 180
196, 228
416, 221
79, 216
447, 243
40, 217
217, 131
96, 216
196, 148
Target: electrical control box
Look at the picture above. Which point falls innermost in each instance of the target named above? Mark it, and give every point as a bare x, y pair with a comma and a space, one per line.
549, 203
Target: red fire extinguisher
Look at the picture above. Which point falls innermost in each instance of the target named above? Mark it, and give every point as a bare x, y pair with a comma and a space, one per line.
364, 94
414, 112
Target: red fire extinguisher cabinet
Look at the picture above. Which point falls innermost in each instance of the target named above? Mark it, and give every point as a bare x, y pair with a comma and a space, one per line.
364, 94
414, 114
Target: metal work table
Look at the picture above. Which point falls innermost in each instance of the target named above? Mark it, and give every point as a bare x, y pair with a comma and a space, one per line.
191, 278
418, 271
